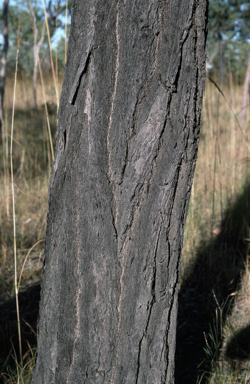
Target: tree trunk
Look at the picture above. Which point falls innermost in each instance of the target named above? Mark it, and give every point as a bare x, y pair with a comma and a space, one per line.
128, 132
4, 59
244, 102
36, 49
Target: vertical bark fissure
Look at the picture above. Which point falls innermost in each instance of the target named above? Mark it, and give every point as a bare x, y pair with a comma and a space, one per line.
174, 188
113, 187
137, 199
125, 163
112, 181
172, 302
174, 289
77, 258
115, 89
154, 161
77, 333
80, 73
171, 83
153, 285
109, 149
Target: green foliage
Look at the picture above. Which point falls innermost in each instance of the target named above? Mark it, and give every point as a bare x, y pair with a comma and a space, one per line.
27, 38
228, 37
19, 16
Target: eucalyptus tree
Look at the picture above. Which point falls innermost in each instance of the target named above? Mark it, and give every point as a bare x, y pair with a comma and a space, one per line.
128, 133
36, 48
29, 17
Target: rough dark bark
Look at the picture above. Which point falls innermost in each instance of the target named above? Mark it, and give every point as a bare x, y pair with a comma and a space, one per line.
128, 133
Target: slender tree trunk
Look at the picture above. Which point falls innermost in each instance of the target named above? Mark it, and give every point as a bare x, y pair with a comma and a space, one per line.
36, 49
244, 103
222, 62
128, 133
52, 15
4, 59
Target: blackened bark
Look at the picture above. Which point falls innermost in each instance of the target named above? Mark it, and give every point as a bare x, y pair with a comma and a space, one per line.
128, 133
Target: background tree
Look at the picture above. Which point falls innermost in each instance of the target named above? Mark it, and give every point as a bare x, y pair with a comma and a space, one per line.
245, 96
26, 53
228, 37
128, 134
36, 49
4, 59
56, 21
56, 13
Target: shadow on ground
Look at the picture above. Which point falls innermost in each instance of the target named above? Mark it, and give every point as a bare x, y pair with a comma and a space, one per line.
239, 346
216, 272
29, 305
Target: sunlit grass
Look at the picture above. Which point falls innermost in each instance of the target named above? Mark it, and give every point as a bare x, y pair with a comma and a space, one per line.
220, 181
222, 168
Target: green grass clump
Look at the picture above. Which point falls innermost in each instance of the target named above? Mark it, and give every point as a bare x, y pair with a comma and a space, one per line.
20, 374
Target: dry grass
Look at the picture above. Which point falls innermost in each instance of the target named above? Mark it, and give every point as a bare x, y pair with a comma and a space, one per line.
215, 268
24, 93
32, 162
31, 204
222, 168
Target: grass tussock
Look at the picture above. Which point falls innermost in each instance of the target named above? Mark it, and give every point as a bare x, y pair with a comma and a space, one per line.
17, 373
